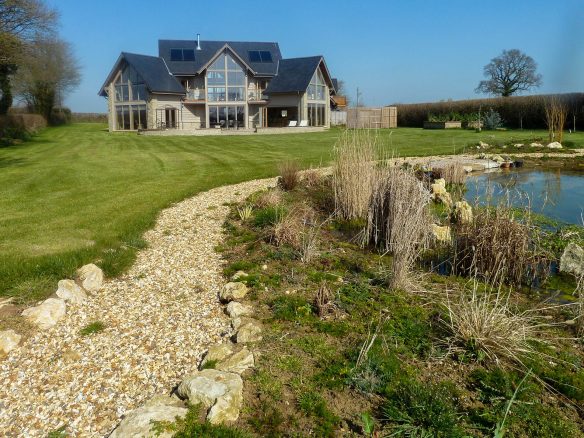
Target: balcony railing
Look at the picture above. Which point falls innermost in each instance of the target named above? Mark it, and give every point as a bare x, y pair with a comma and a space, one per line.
196, 94
255, 95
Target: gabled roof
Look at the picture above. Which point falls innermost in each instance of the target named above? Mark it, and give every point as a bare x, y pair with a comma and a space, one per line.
294, 75
152, 69
209, 50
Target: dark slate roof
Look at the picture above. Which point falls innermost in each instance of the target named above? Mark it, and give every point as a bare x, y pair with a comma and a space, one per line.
335, 84
294, 75
210, 48
152, 69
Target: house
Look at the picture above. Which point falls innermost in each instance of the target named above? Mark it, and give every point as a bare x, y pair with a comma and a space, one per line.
196, 84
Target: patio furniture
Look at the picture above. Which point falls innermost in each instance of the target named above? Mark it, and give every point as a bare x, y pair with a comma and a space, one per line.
292, 124
303, 123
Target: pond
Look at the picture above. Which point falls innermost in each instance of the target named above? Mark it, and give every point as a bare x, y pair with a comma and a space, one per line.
557, 194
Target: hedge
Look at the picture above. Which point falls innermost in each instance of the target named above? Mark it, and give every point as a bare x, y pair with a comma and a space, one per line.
517, 112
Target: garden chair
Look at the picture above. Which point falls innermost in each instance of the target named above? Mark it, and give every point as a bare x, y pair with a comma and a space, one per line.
292, 124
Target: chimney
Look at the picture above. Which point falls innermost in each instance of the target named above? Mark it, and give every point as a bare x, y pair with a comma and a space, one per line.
198, 41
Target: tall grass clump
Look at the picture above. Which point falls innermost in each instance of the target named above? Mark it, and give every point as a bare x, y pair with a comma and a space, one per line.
398, 220
354, 173
289, 174
498, 247
486, 325
454, 174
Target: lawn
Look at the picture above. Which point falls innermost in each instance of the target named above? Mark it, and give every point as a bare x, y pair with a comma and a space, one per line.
78, 193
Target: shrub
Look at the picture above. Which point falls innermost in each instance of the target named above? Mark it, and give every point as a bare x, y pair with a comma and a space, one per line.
94, 327
354, 173
267, 216
312, 177
492, 120
399, 220
60, 116
288, 175
497, 247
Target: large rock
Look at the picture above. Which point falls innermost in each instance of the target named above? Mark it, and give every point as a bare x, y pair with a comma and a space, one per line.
233, 291
536, 145
439, 193
91, 277
236, 323
462, 212
572, 260
139, 422
555, 145
220, 391
441, 234
249, 331
237, 362
9, 340
216, 353
236, 310
70, 291
46, 314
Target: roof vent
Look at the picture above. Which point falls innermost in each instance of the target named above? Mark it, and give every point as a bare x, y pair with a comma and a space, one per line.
198, 41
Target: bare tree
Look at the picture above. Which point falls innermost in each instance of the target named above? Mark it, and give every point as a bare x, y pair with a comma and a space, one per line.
556, 112
49, 74
508, 73
21, 22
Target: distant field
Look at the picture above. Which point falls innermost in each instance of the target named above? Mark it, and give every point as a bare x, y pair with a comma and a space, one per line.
78, 193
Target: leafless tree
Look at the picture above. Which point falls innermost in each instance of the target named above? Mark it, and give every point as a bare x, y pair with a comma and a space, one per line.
50, 72
508, 73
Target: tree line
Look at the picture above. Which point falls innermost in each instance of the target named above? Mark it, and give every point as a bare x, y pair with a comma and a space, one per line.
37, 67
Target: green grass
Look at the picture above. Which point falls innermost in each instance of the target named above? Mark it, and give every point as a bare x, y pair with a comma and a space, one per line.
92, 328
79, 194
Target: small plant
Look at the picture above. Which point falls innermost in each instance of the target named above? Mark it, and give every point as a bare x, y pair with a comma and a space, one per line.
312, 177
209, 365
92, 328
368, 424
492, 120
270, 198
289, 176
486, 326
245, 212
324, 303
422, 410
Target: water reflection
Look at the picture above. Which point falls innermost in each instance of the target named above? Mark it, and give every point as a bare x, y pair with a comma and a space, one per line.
554, 193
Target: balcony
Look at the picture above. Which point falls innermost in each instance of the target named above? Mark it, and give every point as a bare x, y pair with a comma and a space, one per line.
256, 96
197, 95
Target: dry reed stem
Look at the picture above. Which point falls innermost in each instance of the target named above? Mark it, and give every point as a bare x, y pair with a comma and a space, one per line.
270, 198
454, 174
354, 173
399, 221
289, 174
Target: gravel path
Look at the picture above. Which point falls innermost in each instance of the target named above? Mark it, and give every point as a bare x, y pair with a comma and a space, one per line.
159, 317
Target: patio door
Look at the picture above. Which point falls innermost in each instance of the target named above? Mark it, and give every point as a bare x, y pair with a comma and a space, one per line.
170, 117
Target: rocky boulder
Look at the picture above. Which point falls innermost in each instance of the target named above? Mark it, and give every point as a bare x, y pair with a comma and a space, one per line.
229, 358
439, 193
536, 145
555, 145
572, 260
46, 314
70, 291
233, 291
9, 340
462, 212
248, 331
236, 310
139, 422
220, 391
91, 277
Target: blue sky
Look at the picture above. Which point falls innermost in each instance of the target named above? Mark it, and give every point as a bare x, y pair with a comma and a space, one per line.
394, 51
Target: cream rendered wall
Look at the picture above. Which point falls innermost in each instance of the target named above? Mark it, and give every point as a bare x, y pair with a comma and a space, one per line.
111, 110
161, 101
193, 116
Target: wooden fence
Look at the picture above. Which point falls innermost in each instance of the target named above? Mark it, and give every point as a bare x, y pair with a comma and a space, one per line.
338, 118
385, 117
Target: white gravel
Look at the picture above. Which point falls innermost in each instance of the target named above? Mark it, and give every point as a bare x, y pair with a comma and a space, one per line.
159, 317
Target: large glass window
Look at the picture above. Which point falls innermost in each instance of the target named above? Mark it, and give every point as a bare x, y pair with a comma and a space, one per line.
232, 116
225, 71
129, 86
316, 114
317, 88
131, 117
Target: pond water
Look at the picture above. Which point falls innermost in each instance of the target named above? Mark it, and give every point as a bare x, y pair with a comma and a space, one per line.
557, 194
